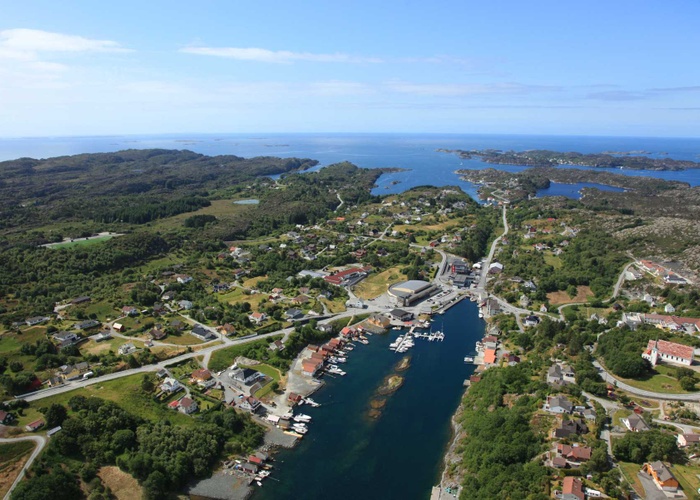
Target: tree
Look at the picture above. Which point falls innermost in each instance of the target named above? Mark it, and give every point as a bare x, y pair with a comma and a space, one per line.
147, 384
54, 415
687, 383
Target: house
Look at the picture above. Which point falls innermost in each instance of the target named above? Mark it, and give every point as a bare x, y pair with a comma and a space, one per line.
257, 317
202, 377
102, 336
490, 357
571, 427
34, 426
65, 339
669, 308
560, 375
294, 398
185, 304
36, 320
662, 476
227, 329
250, 468
187, 406
531, 320
575, 453
170, 385
559, 462
87, 324
671, 352
512, 359
246, 376
202, 333
379, 320
129, 311
183, 279
688, 439
277, 345
634, 423
294, 314
310, 367
572, 489
6, 418
118, 327
251, 404
401, 315
300, 300
127, 348
495, 268
558, 404
157, 334
168, 296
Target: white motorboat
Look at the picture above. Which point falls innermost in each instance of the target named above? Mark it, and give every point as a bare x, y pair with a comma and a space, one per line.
311, 402
301, 418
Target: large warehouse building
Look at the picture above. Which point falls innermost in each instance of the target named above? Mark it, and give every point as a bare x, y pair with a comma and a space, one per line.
408, 292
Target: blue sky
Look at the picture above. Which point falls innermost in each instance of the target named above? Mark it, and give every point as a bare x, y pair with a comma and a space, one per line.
537, 67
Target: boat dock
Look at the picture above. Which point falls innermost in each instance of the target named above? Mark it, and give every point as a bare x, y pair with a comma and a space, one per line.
445, 307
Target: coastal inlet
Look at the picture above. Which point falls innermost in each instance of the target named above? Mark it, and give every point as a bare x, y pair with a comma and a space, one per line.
399, 454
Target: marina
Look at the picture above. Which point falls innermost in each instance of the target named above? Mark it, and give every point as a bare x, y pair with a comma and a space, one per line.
355, 456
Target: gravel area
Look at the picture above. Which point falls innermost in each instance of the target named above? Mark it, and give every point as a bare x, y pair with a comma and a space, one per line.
222, 486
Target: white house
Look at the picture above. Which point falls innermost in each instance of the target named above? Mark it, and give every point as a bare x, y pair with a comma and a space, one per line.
170, 385
127, 348
558, 404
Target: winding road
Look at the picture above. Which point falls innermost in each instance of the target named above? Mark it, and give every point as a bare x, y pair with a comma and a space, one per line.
40, 444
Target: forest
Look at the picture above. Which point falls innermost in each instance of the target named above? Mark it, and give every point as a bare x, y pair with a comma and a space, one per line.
162, 456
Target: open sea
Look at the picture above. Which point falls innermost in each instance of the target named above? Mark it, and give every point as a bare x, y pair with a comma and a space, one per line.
347, 454
416, 153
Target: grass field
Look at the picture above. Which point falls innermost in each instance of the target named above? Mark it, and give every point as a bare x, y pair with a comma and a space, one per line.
560, 298
687, 475
11, 341
82, 243
122, 485
553, 260
127, 393
334, 306
237, 296
376, 284
659, 381
221, 209
223, 358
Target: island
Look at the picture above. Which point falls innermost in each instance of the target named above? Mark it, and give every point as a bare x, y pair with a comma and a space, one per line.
547, 158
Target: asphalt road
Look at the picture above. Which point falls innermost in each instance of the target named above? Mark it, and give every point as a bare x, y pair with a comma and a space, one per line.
40, 443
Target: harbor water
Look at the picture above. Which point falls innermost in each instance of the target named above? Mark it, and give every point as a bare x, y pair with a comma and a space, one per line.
348, 454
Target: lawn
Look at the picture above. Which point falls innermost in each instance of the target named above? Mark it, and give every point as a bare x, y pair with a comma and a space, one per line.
687, 475
618, 415
629, 471
184, 339
552, 260
238, 296
223, 358
335, 305
659, 381
376, 284
221, 209
127, 393
10, 341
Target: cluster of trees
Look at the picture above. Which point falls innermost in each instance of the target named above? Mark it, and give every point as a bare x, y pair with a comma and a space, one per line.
39, 277
163, 457
141, 211
640, 447
498, 452
621, 349
197, 221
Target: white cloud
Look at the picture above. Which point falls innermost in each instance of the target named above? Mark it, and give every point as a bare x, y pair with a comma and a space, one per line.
466, 89
276, 56
27, 43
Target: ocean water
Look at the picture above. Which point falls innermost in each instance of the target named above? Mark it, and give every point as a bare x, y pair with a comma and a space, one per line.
573, 191
348, 455
416, 153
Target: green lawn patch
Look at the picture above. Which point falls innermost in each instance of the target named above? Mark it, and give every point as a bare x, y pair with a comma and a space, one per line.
629, 472
127, 393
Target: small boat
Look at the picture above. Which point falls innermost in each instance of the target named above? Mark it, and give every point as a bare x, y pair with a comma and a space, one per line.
302, 418
258, 483
364, 341
468, 359
311, 402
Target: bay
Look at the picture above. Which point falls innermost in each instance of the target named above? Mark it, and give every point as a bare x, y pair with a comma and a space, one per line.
349, 455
